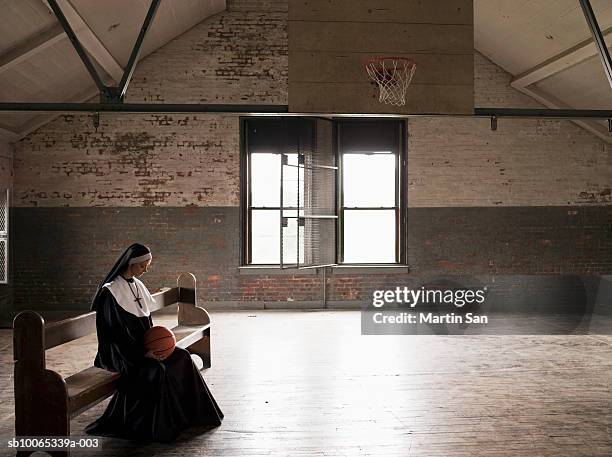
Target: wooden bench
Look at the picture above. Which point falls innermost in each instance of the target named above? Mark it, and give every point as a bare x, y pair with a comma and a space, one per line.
45, 401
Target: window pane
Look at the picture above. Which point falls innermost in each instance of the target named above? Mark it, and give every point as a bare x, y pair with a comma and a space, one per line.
290, 239
265, 236
369, 180
265, 180
290, 186
265, 239
369, 236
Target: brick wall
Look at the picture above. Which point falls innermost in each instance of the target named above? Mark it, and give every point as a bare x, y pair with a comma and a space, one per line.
180, 160
531, 198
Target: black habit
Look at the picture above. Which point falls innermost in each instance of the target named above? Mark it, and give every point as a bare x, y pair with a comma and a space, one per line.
155, 400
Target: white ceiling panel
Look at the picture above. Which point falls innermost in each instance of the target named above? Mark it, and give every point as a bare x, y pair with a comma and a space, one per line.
22, 20
48, 76
117, 23
519, 34
39, 64
583, 86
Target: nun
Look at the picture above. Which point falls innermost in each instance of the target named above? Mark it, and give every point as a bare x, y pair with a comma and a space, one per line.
155, 399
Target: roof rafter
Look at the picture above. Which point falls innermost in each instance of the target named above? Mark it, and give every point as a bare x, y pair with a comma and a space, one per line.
43, 119
31, 47
568, 58
527, 81
88, 39
554, 103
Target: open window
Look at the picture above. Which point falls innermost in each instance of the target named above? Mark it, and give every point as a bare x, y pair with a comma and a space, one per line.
319, 192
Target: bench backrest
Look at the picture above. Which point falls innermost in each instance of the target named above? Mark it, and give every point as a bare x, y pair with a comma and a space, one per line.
37, 387
31, 337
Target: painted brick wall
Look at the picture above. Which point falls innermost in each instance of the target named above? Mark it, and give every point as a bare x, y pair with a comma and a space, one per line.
531, 198
179, 160
141, 160
461, 162
239, 56
67, 250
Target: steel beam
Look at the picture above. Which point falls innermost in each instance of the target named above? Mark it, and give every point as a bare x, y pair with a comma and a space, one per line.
598, 38
77, 45
131, 65
543, 113
141, 108
540, 113
89, 41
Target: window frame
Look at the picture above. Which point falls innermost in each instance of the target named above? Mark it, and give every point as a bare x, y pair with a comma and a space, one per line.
401, 184
400, 194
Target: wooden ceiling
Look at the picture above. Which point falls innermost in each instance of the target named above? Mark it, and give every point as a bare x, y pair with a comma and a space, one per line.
38, 62
545, 44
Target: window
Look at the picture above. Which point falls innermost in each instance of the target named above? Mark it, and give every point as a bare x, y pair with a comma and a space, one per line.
320, 192
4, 214
371, 216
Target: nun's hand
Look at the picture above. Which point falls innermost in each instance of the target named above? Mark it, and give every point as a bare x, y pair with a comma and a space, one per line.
152, 355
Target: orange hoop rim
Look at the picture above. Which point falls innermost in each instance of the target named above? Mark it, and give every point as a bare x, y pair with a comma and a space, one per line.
377, 60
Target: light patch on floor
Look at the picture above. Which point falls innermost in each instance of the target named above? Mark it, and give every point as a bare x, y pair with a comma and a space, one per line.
308, 384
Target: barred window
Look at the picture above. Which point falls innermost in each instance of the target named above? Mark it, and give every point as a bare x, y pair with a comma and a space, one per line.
4, 228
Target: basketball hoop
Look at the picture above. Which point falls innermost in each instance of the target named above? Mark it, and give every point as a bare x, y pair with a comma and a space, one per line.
393, 76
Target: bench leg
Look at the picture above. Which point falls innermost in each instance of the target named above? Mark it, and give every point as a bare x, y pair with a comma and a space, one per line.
202, 348
42, 409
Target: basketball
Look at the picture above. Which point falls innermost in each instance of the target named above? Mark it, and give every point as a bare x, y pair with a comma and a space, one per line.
160, 340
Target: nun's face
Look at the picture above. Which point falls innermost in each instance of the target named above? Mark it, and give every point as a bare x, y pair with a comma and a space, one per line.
138, 269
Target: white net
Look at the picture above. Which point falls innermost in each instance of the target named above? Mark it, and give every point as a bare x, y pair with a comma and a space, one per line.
393, 76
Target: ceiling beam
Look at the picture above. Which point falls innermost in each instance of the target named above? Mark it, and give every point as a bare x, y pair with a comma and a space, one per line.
552, 102
43, 119
526, 82
568, 58
118, 107
93, 72
89, 40
131, 65
598, 38
31, 47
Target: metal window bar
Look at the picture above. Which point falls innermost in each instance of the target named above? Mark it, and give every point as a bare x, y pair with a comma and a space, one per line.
308, 232
319, 217
4, 229
316, 218
291, 234
282, 215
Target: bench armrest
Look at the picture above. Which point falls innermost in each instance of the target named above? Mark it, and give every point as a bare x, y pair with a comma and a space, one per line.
189, 313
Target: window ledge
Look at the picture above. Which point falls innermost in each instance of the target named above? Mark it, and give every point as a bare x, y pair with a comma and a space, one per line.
274, 271
336, 269
370, 269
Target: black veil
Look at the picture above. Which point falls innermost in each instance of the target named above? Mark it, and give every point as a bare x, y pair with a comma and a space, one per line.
135, 250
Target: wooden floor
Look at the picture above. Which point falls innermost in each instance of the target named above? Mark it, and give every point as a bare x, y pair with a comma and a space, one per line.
308, 384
